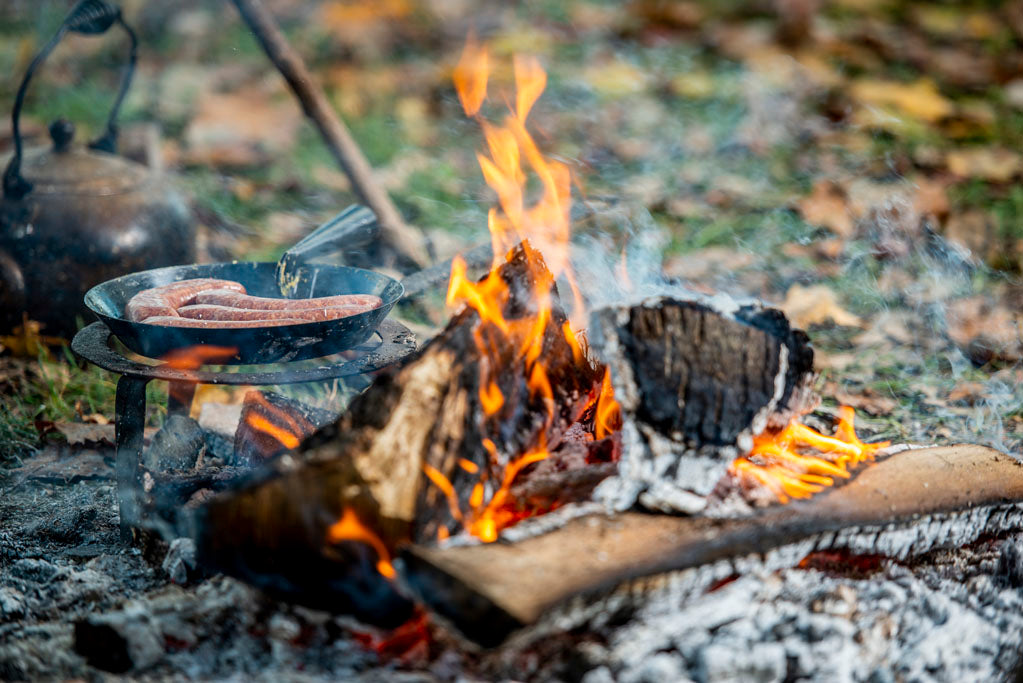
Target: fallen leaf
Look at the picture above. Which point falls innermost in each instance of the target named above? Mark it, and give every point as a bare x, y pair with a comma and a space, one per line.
990, 163
887, 328
25, 340
616, 78
920, 99
243, 128
869, 401
967, 392
827, 206
985, 329
696, 85
815, 305
81, 434
973, 230
931, 198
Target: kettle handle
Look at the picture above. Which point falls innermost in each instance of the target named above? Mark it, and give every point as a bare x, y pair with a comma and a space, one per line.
88, 17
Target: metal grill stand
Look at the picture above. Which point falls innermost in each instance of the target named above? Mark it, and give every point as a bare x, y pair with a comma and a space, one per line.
392, 342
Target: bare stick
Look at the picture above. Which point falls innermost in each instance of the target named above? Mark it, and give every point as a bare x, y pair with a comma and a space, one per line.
406, 241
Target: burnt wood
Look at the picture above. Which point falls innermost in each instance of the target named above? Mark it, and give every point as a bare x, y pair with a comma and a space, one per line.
695, 383
271, 530
488, 591
685, 368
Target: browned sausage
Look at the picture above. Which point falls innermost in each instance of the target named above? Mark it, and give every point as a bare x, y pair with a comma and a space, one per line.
211, 312
166, 299
217, 297
176, 321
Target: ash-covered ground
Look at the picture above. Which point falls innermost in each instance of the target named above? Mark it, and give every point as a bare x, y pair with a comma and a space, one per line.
73, 599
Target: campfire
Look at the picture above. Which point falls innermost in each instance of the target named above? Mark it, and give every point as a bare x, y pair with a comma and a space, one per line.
557, 468
628, 434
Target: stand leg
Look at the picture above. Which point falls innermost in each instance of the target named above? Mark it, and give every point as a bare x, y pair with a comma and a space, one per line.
131, 420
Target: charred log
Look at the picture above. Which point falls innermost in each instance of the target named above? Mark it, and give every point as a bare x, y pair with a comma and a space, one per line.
906, 505
270, 424
427, 414
695, 384
274, 532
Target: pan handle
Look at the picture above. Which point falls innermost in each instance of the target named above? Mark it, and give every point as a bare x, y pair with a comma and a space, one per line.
354, 227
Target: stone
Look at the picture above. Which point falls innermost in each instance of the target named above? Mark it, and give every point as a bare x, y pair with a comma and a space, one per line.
177, 446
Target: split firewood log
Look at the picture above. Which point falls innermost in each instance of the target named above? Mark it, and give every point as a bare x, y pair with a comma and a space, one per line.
280, 530
695, 383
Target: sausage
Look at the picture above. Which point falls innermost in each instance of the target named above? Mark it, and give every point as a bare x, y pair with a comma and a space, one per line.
234, 299
166, 299
212, 312
177, 321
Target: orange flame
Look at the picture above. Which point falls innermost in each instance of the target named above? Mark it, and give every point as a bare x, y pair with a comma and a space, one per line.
512, 158
471, 74
608, 418
797, 461
349, 528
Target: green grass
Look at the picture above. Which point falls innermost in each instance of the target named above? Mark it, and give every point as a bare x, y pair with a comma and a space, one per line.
55, 388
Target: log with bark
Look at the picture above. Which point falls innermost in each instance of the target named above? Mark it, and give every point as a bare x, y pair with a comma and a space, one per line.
695, 382
273, 530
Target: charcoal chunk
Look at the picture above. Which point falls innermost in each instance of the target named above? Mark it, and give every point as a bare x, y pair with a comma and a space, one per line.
176, 446
119, 641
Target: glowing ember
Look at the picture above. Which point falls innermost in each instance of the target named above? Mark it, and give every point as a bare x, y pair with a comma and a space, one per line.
349, 528
797, 461
543, 226
276, 422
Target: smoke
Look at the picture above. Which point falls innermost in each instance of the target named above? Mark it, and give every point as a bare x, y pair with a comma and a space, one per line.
895, 272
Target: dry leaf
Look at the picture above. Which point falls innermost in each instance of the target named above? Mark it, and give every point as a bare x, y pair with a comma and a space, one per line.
920, 100
869, 401
25, 340
242, 128
827, 206
985, 329
616, 78
973, 230
696, 85
816, 305
990, 163
80, 434
931, 198
968, 392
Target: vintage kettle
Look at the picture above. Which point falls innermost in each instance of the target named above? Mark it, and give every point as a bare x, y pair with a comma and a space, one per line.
73, 217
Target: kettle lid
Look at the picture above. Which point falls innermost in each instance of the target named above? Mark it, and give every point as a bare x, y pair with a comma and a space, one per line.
66, 169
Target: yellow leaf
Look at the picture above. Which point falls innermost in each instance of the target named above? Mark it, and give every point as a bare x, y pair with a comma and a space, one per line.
990, 163
828, 206
697, 85
920, 100
616, 78
815, 305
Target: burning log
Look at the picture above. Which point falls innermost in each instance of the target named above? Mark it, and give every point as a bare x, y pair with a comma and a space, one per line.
429, 450
695, 385
271, 424
905, 505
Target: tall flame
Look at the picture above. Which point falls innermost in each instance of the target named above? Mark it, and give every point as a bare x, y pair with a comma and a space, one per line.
512, 158
797, 461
